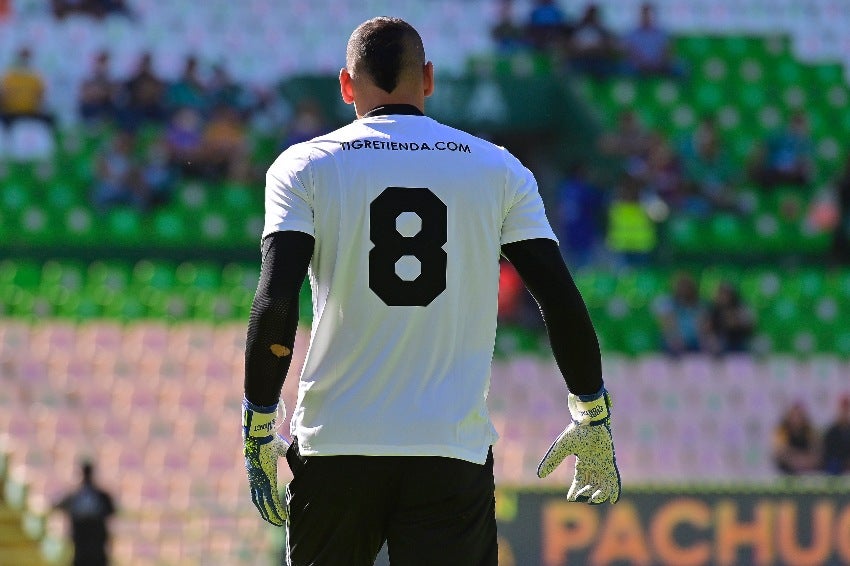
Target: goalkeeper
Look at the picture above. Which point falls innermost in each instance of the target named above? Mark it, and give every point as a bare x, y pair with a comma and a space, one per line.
401, 221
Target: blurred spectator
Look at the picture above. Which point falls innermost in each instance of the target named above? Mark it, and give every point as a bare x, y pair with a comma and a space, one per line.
516, 306
143, 96
95, 8
510, 293
507, 35
682, 317
661, 173
786, 156
88, 509
97, 93
629, 139
731, 322
183, 139
122, 177
841, 234
581, 214
836, 440
796, 445
307, 123
647, 47
116, 171
157, 175
270, 114
22, 92
548, 26
224, 146
221, 90
187, 91
592, 47
708, 171
632, 233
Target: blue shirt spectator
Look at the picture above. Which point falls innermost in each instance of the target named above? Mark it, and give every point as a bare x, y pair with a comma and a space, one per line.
683, 318
647, 47
582, 208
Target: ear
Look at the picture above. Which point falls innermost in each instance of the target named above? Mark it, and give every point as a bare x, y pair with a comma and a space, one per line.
428, 79
346, 86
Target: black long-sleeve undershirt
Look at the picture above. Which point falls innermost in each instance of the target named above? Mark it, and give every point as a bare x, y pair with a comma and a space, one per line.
571, 333
274, 314
286, 257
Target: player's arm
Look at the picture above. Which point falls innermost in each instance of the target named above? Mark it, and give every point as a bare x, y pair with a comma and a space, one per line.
576, 349
268, 354
571, 333
274, 314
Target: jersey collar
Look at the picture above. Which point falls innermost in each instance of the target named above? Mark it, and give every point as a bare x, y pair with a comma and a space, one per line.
393, 109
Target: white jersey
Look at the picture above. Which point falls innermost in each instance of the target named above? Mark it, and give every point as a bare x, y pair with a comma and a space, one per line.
409, 217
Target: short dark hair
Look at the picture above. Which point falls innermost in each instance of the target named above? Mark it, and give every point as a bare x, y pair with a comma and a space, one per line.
384, 49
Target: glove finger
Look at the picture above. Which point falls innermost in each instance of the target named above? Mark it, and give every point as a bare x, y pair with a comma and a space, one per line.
560, 449
616, 486
581, 485
270, 514
257, 500
581, 494
600, 495
278, 512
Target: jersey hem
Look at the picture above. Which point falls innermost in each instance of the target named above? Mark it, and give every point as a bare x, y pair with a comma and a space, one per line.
474, 456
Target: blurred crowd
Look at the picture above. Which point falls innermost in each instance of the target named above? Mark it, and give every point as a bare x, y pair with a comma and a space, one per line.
203, 124
155, 130
585, 43
616, 222
799, 447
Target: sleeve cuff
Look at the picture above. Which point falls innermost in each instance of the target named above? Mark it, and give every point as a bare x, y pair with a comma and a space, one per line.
266, 409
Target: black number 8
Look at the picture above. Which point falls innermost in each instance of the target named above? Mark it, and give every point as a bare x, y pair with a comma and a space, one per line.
426, 245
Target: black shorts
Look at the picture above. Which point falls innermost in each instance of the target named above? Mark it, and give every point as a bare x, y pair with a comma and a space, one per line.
429, 510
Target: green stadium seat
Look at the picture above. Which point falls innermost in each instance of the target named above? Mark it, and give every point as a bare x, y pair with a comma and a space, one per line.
241, 300
19, 302
61, 196
37, 225
157, 275
171, 227
728, 232
125, 307
685, 234
67, 274
214, 306
125, 225
240, 276
108, 276
216, 229
206, 276
760, 287
80, 226
639, 288
20, 273
238, 197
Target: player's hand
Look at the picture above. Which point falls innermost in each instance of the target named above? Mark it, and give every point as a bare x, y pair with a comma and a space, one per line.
597, 478
262, 448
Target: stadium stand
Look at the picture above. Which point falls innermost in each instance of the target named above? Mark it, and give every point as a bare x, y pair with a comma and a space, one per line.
122, 332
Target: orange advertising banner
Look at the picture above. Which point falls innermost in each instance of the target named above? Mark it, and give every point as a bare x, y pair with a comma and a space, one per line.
687, 527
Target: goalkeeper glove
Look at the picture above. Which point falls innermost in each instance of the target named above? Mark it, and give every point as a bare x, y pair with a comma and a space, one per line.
262, 447
597, 478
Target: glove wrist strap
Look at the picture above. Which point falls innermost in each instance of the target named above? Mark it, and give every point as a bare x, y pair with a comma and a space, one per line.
589, 409
258, 421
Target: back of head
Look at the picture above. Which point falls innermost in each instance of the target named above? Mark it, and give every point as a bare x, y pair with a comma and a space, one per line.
387, 51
